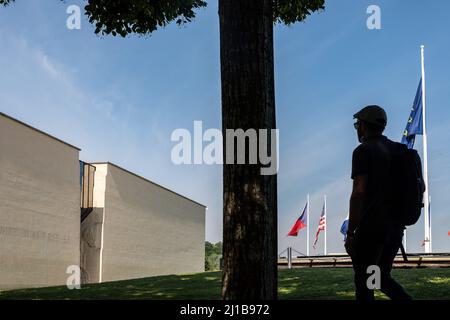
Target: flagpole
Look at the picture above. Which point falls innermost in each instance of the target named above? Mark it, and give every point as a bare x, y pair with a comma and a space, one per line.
428, 248
404, 241
307, 226
431, 233
326, 221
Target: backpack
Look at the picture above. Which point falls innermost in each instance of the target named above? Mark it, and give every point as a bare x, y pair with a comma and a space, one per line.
408, 185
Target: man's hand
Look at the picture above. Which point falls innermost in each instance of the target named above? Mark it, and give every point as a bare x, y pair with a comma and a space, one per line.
349, 245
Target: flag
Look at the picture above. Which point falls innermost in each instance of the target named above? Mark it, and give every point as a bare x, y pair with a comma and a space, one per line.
344, 228
422, 244
414, 125
322, 225
300, 223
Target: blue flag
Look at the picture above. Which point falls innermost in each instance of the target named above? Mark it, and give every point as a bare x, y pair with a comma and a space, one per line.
414, 125
344, 228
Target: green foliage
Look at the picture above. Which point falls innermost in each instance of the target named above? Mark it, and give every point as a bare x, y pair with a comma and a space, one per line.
291, 11
213, 248
5, 2
123, 17
143, 17
139, 16
213, 254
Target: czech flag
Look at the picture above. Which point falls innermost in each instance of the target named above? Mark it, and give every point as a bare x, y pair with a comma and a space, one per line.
300, 223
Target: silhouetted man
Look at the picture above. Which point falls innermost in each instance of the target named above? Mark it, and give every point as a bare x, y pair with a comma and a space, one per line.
373, 236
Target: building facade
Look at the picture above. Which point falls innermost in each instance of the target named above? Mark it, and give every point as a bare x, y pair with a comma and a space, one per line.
138, 228
56, 212
39, 207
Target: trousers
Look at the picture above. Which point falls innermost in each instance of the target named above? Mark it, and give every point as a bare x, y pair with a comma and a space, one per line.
370, 250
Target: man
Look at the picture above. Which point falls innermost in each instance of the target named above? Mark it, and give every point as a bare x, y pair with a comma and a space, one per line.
374, 237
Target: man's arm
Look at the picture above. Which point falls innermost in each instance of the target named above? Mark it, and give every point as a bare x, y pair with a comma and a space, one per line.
357, 202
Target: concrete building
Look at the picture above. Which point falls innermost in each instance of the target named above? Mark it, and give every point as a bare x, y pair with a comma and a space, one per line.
39, 206
138, 228
56, 211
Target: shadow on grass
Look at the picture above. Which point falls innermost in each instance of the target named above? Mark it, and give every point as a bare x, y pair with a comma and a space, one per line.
337, 284
194, 286
310, 283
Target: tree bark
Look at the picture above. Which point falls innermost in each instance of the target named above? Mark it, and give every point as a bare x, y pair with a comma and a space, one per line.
249, 199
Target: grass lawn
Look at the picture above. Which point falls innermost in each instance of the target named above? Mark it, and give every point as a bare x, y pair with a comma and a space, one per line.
315, 283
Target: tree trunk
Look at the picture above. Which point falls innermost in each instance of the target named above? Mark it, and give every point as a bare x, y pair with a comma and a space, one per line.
250, 199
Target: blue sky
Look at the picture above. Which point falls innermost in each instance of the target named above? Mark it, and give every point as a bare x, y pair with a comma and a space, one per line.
120, 99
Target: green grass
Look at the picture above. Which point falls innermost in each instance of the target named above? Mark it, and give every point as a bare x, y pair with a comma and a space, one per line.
315, 283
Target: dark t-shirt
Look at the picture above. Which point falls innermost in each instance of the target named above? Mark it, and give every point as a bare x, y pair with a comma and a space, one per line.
373, 158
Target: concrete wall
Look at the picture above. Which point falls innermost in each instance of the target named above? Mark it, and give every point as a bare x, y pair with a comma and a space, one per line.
39, 207
148, 230
91, 245
92, 230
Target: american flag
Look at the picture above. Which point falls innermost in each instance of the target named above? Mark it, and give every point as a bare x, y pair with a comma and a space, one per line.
322, 224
